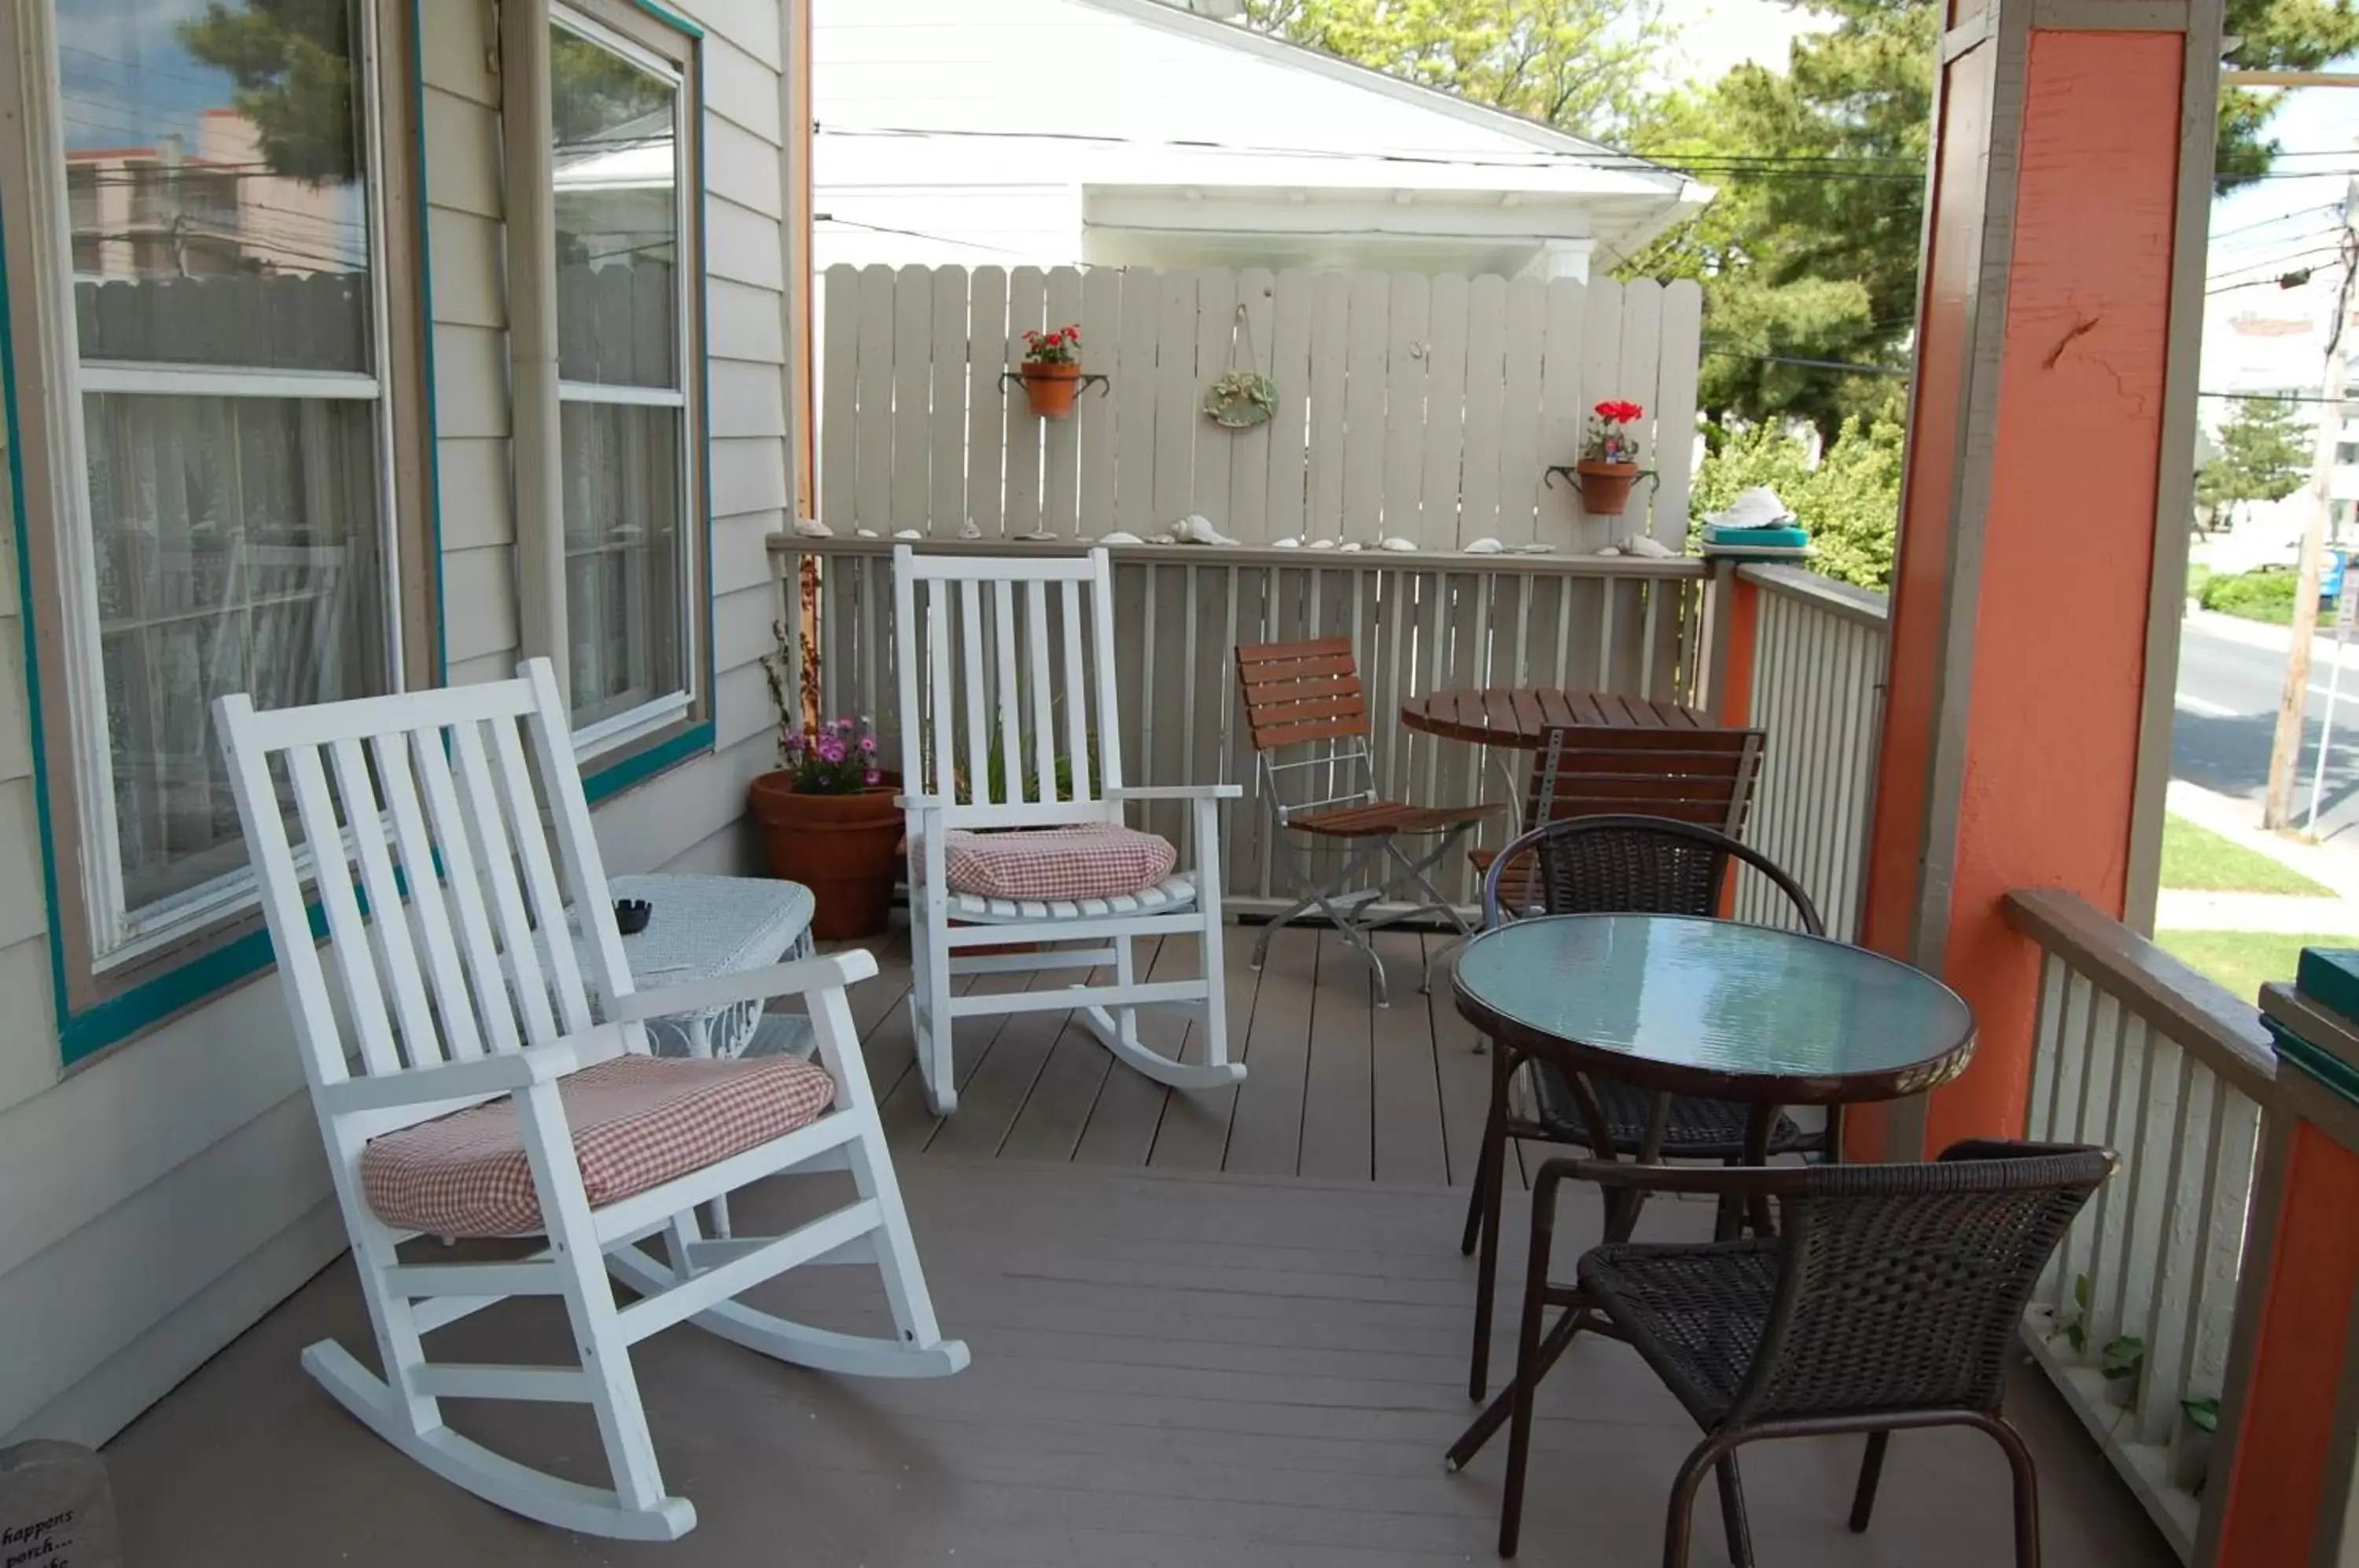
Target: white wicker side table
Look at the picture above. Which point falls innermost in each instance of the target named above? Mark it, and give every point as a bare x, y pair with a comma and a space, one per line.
700, 927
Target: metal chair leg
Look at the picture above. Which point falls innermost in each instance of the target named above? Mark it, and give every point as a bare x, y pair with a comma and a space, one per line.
1732, 1512
1531, 1368
1871, 1470
2026, 1488
1474, 1231
1678, 1525
1490, 1185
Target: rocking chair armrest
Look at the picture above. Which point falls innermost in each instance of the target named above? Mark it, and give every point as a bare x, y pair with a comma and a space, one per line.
834, 969
1176, 792
922, 802
498, 1073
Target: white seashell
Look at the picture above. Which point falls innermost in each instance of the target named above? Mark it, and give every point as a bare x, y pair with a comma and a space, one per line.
1120, 537
1294, 542
1163, 537
864, 533
908, 533
1486, 545
812, 527
970, 530
1197, 529
1398, 545
1322, 544
1610, 550
1039, 536
1647, 547
1349, 548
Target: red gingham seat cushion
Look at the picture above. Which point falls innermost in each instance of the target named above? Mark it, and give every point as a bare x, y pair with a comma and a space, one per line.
1092, 860
637, 1122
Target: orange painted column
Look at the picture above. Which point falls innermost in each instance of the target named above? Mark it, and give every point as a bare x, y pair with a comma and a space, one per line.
2067, 222
2278, 1484
1736, 625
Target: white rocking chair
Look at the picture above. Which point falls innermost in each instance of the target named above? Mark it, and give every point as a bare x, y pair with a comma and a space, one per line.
464, 1087
995, 738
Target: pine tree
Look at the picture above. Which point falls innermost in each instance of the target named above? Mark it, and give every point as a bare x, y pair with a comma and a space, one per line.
2264, 456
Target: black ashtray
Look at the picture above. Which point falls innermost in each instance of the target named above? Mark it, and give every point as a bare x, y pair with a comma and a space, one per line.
631, 914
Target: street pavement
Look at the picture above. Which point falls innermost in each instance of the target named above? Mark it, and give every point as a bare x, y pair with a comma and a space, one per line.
2231, 673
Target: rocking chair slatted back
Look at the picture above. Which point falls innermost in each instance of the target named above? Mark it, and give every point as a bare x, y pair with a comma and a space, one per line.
446, 915
1001, 655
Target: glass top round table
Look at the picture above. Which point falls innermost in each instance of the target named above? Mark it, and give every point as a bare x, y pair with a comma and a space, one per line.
1705, 1007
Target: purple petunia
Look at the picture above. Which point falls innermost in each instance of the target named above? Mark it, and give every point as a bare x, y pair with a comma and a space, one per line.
794, 742
831, 751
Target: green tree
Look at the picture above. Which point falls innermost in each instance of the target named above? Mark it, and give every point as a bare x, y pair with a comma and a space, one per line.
292, 63
1850, 500
2264, 456
1810, 250
1581, 65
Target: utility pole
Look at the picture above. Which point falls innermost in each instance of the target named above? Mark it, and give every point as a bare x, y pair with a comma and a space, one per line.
2284, 749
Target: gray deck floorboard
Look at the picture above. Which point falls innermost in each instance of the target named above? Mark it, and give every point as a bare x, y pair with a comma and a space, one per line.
1169, 1369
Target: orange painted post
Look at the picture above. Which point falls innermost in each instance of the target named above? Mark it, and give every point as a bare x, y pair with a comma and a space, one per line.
2289, 1408
1735, 635
2044, 506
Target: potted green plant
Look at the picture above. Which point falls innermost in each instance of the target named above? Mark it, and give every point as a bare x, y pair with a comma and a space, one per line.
828, 819
1609, 459
1052, 371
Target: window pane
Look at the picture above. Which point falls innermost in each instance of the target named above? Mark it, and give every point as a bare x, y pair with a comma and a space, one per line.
214, 182
615, 151
622, 502
237, 552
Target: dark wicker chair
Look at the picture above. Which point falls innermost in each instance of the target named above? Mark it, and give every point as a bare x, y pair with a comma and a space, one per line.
1612, 865
1890, 1298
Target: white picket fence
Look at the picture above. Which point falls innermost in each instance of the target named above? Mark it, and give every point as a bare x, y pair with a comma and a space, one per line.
1421, 407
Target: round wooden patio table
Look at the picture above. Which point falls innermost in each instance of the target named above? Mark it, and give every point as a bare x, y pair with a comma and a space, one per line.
1517, 717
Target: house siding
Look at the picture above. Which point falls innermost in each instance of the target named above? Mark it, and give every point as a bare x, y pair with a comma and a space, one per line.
158, 1200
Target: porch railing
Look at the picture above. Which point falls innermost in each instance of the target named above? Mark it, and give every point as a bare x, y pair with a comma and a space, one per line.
1418, 623
1817, 692
2135, 1319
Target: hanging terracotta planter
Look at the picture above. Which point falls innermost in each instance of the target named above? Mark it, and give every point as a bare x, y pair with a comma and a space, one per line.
1052, 371
1605, 486
1052, 388
845, 848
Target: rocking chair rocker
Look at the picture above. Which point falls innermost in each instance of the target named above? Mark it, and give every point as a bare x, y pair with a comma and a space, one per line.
498, 1091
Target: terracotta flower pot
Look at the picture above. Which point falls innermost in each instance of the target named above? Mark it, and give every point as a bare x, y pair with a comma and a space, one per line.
1051, 388
1605, 486
845, 848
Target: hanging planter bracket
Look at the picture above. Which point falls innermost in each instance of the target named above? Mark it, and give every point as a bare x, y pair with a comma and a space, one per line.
1080, 383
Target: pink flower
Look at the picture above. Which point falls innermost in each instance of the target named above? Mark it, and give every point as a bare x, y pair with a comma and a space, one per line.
844, 726
872, 776
831, 751
868, 743
795, 742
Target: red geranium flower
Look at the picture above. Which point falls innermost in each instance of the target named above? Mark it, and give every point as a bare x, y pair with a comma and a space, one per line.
1616, 412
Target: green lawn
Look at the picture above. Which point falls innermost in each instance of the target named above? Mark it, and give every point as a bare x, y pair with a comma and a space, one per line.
2242, 960
2202, 860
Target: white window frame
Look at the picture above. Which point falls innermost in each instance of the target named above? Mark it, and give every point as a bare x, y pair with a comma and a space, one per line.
121, 935
660, 710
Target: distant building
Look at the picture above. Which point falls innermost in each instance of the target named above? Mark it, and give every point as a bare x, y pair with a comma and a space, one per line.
164, 210
2272, 344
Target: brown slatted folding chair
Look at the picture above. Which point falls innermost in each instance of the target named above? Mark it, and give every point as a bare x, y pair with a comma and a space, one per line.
1701, 776
1305, 697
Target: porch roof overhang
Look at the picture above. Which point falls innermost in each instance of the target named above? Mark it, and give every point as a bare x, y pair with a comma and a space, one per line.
1363, 217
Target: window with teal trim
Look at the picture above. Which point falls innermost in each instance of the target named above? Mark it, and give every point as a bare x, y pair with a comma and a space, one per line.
621, 141
216, 301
